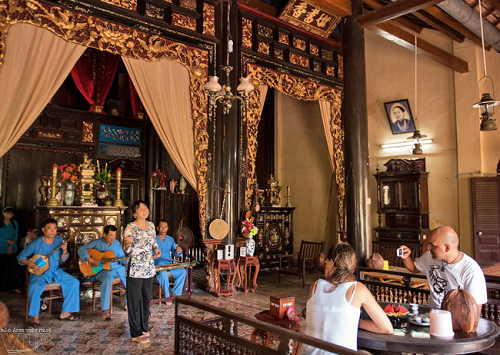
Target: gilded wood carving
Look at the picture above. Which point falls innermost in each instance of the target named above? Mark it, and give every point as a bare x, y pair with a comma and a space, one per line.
299, 89
92, 32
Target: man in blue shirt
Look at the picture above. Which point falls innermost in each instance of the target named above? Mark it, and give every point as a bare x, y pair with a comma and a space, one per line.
108, 242
70, 286
168, 249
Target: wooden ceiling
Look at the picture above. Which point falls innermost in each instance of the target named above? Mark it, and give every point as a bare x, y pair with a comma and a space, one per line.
401, 20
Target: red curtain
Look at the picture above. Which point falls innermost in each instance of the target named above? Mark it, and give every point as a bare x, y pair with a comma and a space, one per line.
111, 62
134, 98
82, 75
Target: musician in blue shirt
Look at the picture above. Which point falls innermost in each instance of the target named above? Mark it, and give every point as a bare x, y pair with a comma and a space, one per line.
169, 250
108, 242
70, 286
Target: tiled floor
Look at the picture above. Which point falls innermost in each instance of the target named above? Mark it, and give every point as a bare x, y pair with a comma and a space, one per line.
91, 335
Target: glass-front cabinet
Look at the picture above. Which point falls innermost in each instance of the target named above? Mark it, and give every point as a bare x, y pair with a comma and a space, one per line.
403, 207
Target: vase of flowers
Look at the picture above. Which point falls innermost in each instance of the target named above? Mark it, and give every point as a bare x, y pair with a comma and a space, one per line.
103, 176
69, 177
248, 229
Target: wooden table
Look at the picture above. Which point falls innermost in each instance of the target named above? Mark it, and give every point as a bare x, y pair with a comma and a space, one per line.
225, 274
248, 266
390, 276
266, 316
416, 339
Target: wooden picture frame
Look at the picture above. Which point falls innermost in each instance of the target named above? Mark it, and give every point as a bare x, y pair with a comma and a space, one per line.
400, 116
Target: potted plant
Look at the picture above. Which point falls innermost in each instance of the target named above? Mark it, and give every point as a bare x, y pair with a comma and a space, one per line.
103, 176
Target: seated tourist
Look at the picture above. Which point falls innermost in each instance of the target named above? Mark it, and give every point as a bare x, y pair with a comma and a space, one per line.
169, 250
334, 303
447, 268
70, 286
108, 242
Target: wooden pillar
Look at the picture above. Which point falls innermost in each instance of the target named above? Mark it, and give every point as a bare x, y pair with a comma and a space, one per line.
356, 133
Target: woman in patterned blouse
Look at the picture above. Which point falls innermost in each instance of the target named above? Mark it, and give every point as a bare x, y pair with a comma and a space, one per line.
139, 241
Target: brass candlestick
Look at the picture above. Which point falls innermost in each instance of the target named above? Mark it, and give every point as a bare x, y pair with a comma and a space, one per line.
52, 200
118, 200
288, 204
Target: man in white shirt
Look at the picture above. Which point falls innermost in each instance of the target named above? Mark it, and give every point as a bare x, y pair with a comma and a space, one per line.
447, 268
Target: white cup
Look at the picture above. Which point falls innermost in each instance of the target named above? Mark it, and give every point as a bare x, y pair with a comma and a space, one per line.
441, 325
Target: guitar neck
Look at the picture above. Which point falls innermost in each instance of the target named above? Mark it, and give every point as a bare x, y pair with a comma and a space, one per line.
110, 260
59, 247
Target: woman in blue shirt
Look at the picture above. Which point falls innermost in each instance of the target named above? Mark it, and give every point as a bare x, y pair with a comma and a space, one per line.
9, 233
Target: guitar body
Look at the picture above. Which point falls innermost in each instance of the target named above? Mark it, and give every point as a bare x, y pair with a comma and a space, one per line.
105, 259
43, 263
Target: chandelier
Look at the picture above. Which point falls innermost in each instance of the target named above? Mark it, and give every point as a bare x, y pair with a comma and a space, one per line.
218, 94
487, 103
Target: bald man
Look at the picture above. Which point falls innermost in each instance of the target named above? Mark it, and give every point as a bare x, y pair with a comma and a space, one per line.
446, 267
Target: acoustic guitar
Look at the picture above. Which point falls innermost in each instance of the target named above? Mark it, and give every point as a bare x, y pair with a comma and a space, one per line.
42, 261
105, 258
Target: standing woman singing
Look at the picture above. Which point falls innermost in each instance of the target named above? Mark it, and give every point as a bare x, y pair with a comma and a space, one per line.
139, 241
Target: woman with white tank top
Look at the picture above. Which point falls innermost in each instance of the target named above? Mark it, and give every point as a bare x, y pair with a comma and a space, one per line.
333, 308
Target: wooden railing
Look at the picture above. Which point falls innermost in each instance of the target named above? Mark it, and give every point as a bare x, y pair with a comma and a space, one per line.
215, 331
398, 287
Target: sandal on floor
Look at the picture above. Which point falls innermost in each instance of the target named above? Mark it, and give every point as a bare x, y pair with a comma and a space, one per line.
70, 318
146, 334
141, 340
33, 325
106, 315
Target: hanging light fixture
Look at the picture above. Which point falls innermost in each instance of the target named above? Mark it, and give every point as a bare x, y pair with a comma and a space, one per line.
487, 103
222, 94
416, 137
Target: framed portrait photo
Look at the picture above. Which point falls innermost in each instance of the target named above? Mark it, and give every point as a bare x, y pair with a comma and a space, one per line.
399, 116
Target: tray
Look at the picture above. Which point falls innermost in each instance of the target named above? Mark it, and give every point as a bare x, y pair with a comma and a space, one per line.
419, 324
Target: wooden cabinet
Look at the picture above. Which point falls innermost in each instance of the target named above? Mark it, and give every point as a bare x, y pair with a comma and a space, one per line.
403, 207
84, 224
275, 235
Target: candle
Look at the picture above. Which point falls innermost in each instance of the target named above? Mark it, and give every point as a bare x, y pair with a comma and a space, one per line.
441, 325
52, 201
118, 200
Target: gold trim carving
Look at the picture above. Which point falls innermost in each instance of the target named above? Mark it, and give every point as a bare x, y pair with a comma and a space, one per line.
283, 38
50, 135
299, 60
88, 132
264, 31
326, 54
279, 53
126, 4
304, 90
264, 48
314, 49
184, 21
340, 73
299, 44
188, 4
317, 66
208, 20
106, 36
246, 33
155, 12
330, 70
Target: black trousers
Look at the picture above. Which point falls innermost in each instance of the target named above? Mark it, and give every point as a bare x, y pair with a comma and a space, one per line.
138, 297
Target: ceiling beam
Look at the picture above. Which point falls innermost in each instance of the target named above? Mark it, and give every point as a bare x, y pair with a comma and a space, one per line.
438, 25
405, 39
341, 8
451, 22
495, 3
393, 10
405, 22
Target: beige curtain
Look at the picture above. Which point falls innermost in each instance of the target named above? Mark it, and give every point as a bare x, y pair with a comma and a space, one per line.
35, 65
326, 115
163, 87
262, 98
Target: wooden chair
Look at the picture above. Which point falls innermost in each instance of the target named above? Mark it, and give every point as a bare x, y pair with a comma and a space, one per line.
303, 264
54, 293
170, 297
117, 286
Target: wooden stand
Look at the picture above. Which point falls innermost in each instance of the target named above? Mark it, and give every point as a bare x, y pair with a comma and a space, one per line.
247, 265
265, 316
228, 288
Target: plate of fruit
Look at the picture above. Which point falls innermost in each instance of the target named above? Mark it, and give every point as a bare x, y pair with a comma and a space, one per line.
396, 314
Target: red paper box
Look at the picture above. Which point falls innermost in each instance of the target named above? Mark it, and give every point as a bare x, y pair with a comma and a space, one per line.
279, 304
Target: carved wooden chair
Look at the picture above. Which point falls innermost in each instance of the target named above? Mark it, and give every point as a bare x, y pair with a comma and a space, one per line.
117, 286
301, 263
51, 292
